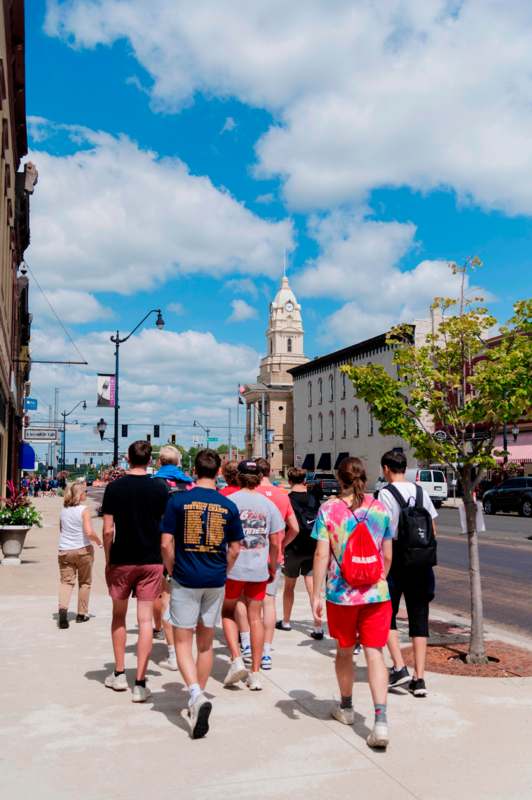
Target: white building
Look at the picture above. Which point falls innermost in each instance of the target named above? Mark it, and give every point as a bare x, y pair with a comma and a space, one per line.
330, 422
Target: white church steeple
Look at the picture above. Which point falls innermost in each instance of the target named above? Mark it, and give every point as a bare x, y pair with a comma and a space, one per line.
284, 338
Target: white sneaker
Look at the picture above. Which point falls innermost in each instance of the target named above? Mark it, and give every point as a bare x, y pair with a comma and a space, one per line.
169, 663
237, 672
379, 736
199, 713
116, 682
253, 682
140, 694
246, 655
344, 715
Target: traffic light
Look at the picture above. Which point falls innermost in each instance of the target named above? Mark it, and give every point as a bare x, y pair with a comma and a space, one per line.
172, 439
148, 438
156, 431
124, 431
91, 461
75, 463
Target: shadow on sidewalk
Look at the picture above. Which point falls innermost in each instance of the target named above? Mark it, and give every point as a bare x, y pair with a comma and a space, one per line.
304, 702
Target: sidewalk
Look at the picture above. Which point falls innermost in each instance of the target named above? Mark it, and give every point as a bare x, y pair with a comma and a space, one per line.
64, 735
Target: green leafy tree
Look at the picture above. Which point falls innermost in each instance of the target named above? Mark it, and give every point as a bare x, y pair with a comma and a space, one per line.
463, 386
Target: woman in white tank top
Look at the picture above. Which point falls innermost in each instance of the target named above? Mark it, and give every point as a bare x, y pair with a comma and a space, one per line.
76, 553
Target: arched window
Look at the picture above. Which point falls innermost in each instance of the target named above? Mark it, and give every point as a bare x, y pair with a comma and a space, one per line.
320, 391
289, 344
331, 424
309, 425
309, 390
320, 426
343, 422
331, 388
356, 422
271, 347
344, 377
370, 422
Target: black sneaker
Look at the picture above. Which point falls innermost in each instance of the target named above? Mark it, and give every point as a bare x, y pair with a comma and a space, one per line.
398, 677
318, 635
282, 626
417, 687
82, 618
63, 618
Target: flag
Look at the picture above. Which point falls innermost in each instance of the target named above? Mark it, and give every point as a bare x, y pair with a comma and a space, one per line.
106, 390
241, 390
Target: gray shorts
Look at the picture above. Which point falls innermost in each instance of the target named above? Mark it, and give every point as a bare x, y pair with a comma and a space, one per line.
190, 606
271, 588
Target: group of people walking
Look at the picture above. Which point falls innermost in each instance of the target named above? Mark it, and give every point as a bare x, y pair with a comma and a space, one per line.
191, 554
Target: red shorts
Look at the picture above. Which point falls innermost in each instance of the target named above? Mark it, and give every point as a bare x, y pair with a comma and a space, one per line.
143, 581
369, 624
252, 590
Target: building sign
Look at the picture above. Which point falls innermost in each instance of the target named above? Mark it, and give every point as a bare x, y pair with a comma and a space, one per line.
41, 435
106, 390
30, 404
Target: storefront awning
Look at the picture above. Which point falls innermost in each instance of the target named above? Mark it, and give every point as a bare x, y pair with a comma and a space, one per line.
519, 451
308, 462
340, 458
325, 462
26, 457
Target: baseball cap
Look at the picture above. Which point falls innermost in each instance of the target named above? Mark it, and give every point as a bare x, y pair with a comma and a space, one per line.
248, 468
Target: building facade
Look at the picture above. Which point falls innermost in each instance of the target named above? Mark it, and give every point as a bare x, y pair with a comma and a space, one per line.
269, 402
330, 421
15, 187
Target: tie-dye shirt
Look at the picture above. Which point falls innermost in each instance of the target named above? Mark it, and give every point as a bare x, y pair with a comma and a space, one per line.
334, 524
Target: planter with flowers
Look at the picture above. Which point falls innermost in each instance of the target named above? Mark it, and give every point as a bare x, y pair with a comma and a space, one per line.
17, 516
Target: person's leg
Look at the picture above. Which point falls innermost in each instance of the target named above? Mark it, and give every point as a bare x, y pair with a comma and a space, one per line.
394, 648
118, 632
377, 674
418, 594
85, 562
158, 613
345, 672
183, 638
419, 644
67, 576
204, 640
256, 627
269, 620
241, 619
230, 627
145, 637
288, 598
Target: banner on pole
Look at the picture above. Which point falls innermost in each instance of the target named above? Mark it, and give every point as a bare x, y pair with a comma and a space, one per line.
106, 390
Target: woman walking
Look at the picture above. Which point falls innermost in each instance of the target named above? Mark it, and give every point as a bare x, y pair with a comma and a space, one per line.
76, 553
354, 551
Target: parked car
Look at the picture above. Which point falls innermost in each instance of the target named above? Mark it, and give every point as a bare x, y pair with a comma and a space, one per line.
513, 494
433, 481
322, 484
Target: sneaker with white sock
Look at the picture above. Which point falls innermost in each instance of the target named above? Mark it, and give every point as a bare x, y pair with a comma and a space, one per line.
246, 654
266, 662
140, 694
253, 682
117, 682
170, 662
379, 736
237, 672
199, 712
344, 715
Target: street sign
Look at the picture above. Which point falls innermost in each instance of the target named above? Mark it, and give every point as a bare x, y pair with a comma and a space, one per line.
213, 439
30, 404
41, 435
440, 436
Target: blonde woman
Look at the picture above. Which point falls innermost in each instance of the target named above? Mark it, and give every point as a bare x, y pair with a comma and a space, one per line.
76, 553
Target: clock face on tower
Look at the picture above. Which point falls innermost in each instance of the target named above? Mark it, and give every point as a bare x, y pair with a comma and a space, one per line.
289, 306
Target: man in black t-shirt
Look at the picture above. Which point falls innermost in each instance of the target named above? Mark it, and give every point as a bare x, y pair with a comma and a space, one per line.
132, 509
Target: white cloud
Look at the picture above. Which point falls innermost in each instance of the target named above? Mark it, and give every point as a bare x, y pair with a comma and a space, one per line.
113, 214
176, 308
419, 93
229, 125
242, 311
243, 286
73, 307
265, 199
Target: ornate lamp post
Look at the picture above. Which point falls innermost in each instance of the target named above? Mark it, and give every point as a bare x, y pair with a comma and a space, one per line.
65, 414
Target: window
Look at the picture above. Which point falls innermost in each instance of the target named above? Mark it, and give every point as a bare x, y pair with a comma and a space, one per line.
344, 378
356, 422
320, 426
370, 422
289, 344
343, 423
320, 391
331, 424
309, 425
271, 347
425, 476
331, 388
438, 476
309, 390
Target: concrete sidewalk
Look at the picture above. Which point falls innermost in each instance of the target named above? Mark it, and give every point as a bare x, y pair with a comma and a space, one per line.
64, 735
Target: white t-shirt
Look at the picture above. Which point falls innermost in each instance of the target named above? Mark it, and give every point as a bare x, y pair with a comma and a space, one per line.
408, 490
260, 518
71, 535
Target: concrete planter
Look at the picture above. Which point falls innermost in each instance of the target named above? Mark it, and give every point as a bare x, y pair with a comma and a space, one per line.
12, 539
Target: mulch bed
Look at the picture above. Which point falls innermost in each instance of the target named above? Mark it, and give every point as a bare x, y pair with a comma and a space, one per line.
508, 661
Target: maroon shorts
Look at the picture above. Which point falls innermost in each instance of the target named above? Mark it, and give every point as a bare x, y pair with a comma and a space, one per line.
369, 624
141, 581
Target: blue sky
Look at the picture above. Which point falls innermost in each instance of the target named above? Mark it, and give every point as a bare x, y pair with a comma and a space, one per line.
364, 151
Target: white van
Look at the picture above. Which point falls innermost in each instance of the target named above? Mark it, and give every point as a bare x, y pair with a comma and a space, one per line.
433, 481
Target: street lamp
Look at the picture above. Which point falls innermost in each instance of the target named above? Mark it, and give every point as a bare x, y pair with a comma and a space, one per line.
197, 424
515, 434
117, 341
65, 414
101, 427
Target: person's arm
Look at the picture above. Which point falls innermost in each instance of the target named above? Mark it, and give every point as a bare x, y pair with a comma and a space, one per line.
319, 571
292, 528
233, 551
168, 551
88, 530
108, 534
387, 547
274, 552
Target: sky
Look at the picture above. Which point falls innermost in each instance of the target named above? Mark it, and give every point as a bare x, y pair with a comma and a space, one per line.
186, 149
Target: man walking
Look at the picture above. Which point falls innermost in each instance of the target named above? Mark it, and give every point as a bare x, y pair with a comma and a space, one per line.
201, 535
132, 508
254, 567
416, 583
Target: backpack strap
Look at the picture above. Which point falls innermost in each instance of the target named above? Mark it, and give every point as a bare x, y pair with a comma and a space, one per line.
419, 496
396, 494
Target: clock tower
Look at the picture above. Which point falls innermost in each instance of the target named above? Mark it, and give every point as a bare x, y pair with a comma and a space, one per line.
284, 338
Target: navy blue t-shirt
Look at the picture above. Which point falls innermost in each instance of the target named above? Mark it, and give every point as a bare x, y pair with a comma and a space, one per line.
202, 522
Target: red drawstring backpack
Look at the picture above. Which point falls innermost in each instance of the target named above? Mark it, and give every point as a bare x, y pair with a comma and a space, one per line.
361, 562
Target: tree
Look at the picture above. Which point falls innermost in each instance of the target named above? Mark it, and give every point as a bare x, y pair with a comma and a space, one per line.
451, 397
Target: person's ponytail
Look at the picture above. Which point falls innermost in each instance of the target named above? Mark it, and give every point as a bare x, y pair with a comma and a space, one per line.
352, 475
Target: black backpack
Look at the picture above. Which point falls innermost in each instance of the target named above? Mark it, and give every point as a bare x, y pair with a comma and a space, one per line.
306, 517
416, 544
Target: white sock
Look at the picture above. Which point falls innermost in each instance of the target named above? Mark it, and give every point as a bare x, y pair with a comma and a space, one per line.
267, 649
318, 629
171, 651
245, 638
194, 692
